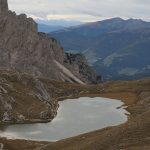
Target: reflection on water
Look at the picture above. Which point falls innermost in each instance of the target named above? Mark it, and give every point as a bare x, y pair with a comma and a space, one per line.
74, 117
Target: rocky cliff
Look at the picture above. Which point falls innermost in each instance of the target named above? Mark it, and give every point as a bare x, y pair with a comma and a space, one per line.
28, 99
25, 99
23, 49
3, 6
26, 57
78, 65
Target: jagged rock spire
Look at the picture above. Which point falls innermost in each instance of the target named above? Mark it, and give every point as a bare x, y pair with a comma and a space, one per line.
3, 6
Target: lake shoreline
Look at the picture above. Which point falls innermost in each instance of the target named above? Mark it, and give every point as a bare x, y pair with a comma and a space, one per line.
74, 117
133, 93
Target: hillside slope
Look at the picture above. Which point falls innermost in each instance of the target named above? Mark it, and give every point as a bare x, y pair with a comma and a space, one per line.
116, 48
24, 99
132, 135
48, 28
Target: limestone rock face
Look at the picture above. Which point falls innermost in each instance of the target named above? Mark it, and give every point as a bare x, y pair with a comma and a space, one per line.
23, 49
27, 56
3, 6
78, 64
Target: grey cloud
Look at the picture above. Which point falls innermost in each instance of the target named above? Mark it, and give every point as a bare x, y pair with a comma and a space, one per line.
89, 8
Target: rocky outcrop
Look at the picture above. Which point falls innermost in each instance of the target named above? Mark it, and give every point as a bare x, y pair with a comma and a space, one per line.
28, 99
3, 6
25, 99
78, 64
28, 60
23, 49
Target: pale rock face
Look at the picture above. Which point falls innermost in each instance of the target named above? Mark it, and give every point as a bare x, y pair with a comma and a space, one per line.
3, 6
23, 49
6, 117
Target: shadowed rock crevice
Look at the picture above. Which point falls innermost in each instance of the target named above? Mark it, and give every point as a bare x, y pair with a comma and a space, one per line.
78, 64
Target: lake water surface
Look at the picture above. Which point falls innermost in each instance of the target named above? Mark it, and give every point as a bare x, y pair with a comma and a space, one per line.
75, 116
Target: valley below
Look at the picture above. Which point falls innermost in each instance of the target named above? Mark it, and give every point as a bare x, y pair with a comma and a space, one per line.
134, 134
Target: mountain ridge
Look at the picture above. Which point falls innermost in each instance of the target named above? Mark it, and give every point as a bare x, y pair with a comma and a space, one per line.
48, 28
114, 38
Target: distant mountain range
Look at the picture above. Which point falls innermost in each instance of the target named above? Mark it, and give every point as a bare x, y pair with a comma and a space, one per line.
60, 22
48, 28
116, 48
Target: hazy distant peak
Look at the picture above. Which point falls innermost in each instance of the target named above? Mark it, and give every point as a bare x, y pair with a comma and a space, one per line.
115, 19
64, 23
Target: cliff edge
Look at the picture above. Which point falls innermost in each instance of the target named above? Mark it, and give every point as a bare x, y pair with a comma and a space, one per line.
23, 49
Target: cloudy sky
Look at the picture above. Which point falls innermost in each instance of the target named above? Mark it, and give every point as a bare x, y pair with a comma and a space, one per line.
82, 10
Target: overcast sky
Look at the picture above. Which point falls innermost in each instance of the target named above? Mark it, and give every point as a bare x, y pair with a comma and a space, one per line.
83, 10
